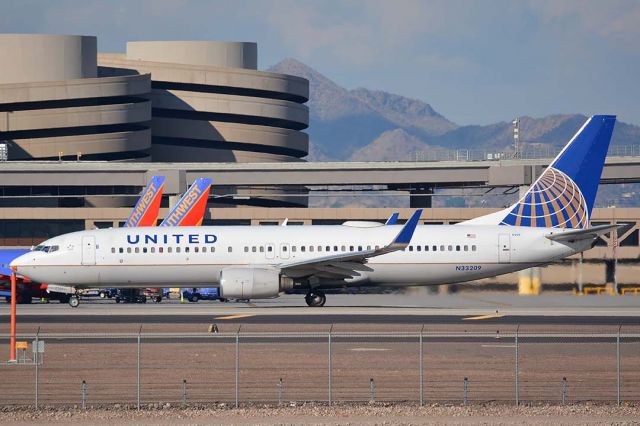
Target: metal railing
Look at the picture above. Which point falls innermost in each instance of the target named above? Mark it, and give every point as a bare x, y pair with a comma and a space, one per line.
526, 153
143, 369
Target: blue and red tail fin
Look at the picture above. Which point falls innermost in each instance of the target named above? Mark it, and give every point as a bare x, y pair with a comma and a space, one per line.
563, 196
191, 208
145, 213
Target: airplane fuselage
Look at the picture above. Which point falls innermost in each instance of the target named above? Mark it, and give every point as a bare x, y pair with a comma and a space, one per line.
195, 256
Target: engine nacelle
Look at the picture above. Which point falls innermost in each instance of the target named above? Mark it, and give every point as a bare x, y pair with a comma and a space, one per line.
252, 283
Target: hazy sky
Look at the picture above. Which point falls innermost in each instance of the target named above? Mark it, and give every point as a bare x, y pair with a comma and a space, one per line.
476, 62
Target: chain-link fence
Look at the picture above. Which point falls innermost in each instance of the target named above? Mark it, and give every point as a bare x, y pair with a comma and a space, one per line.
89, 370
534, 152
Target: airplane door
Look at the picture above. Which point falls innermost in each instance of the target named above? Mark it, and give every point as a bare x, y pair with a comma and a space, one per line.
89, 250
270, 251
504, 248
284, 251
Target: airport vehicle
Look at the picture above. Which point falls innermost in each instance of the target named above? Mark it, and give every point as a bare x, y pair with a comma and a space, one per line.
550, 222
206, 293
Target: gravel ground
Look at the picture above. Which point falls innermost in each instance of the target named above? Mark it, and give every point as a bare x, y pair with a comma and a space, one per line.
384, 414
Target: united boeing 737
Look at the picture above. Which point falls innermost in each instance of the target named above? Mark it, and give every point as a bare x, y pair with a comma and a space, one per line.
550, 222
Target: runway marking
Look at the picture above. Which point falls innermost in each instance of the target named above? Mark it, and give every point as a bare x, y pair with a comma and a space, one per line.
369, 349
228, 317
481, 317
498, 346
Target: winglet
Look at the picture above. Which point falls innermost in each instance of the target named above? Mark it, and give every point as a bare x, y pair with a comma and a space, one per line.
393, 219
406, 233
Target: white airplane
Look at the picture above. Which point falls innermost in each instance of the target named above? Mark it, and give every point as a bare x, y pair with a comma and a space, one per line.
550, 222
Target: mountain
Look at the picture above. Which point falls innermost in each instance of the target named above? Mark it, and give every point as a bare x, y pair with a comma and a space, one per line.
372, 125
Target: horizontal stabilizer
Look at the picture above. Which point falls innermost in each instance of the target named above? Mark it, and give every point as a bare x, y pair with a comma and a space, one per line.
581, 234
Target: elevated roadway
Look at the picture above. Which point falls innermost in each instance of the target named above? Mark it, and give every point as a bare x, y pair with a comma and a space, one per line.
398, 175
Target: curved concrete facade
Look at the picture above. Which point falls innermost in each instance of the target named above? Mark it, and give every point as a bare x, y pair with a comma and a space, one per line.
42, 57
53, 103
210, 104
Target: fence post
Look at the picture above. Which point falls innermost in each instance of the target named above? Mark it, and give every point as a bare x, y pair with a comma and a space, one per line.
465, 388
237, 368
279, 385
372, 390
138, 372
421, 369
184, 393
564, 390
37, 359
517, 368
618, 365
83, 389
330, 366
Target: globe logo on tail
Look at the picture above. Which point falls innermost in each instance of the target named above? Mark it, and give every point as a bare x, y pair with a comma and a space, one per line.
554, 201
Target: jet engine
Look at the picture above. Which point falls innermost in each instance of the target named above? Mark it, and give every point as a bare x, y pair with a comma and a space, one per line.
252, 283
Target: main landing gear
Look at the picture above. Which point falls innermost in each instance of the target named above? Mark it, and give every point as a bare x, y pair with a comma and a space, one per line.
74, 301
315, 298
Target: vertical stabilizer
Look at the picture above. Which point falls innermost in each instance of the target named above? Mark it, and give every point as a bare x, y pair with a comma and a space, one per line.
145, 213
564, 194
191, 208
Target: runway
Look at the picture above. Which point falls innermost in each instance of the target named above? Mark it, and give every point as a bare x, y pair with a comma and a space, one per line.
486, 308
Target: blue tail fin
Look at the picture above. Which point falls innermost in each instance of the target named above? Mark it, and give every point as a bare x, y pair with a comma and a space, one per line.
564, 194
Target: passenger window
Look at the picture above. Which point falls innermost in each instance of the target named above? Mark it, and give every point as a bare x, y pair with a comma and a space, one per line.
377, 247
368, 247
204, 249
473, 248
310, 248
319, 248
246, 249
137, 249
294, 248
303, 248
419, 248
327, 248
441, 248
169, 249
466, 248
230, 249
261, 249
160, 249
457, 248
284, 248
410, 248
113, 249
144, 249
120, 250
335, 248
186, 249
177, 249
254, 249
434, 248
351, 248
450, 248
196, 249
359, 248
213, 249
269, 249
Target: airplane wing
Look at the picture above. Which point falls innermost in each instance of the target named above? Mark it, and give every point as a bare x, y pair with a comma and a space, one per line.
191, 208
581, 234
145, 213
350, 264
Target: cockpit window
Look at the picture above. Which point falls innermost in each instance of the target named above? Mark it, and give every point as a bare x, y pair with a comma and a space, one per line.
47, 249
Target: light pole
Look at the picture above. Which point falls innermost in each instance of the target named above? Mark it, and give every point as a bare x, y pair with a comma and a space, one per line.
516, 137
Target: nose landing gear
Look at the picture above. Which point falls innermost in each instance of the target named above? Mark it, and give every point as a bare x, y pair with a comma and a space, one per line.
315, 298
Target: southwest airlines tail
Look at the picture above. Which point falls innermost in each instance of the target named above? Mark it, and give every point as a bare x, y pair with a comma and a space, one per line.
191, 208
563, 196
145, 213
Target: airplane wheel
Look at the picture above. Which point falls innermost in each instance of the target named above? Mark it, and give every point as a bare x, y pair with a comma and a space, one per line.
315, 299
74, 301
157, 299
